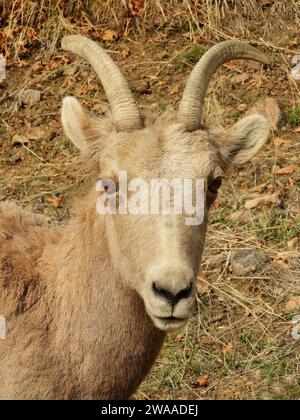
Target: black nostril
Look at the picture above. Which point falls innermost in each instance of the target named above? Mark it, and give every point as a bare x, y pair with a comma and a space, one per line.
172, 298
184, 293
160, 291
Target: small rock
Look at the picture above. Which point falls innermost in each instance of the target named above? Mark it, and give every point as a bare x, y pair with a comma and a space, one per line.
295, 72
296, 59
286, 170
295, 210
51, 135
239, 78
30, 96
294, 244
241, 216
269, 108
242, 107
279, 389
293, 303
246, 261
70, 70
143, 87
15, 159
218, 317
292, 380
256, 375
254, 65
278, 291
262, 201
34, 133
19, 139
2, 68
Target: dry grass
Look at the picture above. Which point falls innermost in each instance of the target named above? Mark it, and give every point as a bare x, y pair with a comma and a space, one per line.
26, 24
240, 335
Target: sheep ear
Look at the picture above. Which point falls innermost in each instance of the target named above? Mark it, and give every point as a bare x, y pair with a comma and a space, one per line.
245, 139
75, 121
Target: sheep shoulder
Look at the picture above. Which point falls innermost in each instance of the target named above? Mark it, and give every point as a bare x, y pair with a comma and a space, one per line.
23, 236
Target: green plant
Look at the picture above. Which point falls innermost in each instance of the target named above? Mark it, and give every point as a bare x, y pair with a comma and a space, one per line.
294, 117
190, 56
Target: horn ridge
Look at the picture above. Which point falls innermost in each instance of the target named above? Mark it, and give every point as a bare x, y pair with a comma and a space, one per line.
123, 107
190, 107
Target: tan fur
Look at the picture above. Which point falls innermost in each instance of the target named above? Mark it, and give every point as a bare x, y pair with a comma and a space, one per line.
78, 310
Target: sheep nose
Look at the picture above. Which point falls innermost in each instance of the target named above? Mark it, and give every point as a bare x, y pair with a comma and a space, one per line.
171, 297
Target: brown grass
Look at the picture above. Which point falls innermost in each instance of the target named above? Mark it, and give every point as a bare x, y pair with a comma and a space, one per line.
26, 24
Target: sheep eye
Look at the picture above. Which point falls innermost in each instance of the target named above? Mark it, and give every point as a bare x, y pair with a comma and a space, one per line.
215, 184
107, 185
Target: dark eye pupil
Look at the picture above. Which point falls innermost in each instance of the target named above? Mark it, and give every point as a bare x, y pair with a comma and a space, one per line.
108, 186
215, 185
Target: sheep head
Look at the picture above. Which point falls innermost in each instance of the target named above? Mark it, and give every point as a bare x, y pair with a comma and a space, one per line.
158, 253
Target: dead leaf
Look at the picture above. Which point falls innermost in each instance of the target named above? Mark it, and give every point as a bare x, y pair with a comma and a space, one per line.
201, 382
202, 285
125, 53
55, 201
21, 44
31, 33
281, 261
293, 43
232, 64
38, 67
136, 7
228, 348
293, 303
109, 36
215, 261
286, 170
22, 63
81, 90
278, 142
174, 89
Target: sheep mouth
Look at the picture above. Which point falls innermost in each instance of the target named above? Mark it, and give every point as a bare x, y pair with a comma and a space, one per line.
170, 319
169, 324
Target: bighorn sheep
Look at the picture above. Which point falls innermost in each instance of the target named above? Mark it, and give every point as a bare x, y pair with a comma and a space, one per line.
88, 305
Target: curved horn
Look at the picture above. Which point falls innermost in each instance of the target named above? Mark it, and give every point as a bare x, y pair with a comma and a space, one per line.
123, 107
190, 107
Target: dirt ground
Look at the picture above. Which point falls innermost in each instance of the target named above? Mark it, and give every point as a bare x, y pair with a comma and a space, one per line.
239, 344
